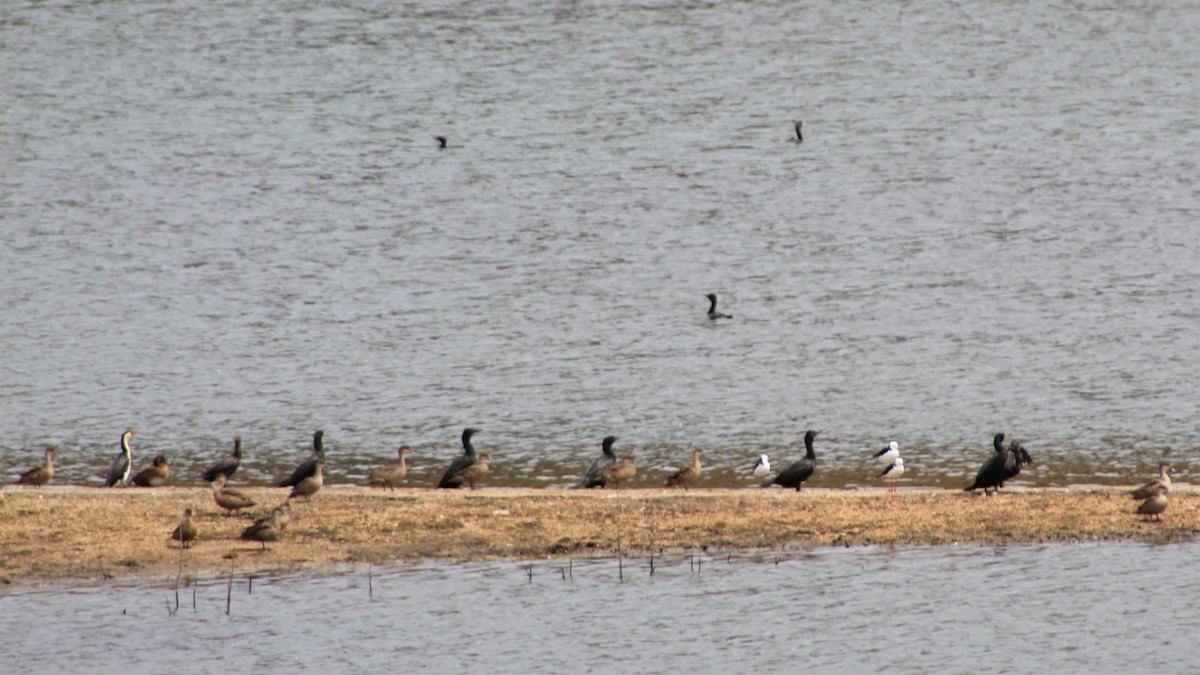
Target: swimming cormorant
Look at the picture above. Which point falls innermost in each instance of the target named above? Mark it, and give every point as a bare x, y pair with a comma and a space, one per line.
800, 471
449, 479
309, 467
799, 124
713, 314
606, 460
119, 471
441, 142
227, 465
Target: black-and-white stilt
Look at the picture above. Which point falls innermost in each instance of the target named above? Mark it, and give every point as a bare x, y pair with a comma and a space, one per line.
891, 475
763, 468
889, 453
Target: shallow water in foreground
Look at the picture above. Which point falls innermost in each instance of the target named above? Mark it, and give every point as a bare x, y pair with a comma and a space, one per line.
1103, 607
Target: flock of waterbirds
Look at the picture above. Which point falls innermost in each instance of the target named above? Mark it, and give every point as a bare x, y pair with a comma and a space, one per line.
471, 468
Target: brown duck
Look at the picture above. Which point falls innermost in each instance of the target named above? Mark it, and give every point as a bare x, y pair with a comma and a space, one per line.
187, 531
311, 485
155, 475
687, 475
42, 474
390, 476
621, 472
475, 473
228, 498
267, 529
1155, 504
1150, 489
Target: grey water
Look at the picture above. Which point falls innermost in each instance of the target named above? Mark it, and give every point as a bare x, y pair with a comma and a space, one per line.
1104, 608
233, 218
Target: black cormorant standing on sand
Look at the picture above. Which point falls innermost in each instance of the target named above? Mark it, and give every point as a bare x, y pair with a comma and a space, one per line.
593, 477
227, 465
450, 478
795, 475
309, 467
994, 471
713, 314
119, 471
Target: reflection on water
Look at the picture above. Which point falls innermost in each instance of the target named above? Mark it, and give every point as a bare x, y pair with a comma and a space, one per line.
1069, 608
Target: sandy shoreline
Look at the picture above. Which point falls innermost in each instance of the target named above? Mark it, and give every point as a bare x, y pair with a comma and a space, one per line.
67, 534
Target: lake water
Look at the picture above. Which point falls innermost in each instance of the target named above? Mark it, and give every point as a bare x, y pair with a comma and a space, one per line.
228, 218
1104, 608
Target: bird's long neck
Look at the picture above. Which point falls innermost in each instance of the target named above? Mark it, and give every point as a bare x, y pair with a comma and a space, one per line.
125, 446
468, 449
319, 444
809, 453
712, 307
237, 447
607, 448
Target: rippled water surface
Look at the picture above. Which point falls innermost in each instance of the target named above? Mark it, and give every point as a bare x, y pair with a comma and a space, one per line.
1111, 607
228, 218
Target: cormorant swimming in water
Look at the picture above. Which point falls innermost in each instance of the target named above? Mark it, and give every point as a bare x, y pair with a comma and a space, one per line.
441, 142
450, 478
713, 314
795, 475
119, 471
799, 131
606, 460
309, 467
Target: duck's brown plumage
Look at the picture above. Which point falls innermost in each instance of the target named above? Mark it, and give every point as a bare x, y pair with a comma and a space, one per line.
187, 530
230, 499
687, 475
265, 530
623, 471
390, 476
1150, 489
155, 475
41, 475
311, 485
475, 473
1155, 504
